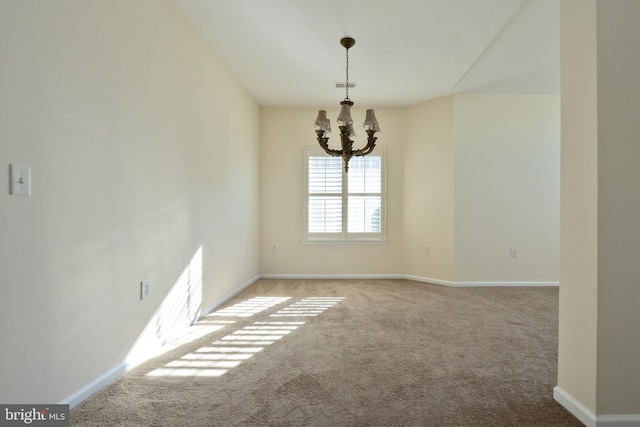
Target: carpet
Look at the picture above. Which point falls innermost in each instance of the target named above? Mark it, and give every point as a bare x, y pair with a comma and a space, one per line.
351, 353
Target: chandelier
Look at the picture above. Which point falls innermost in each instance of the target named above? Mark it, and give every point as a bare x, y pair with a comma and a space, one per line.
345, 123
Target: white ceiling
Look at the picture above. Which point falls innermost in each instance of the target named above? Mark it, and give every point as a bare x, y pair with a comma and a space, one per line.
287, 52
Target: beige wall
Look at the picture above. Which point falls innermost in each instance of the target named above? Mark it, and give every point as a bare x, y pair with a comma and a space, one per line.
618, 378
579, 208
429, 189
599, 347
507, 190
143, 151
285, 132
478, 173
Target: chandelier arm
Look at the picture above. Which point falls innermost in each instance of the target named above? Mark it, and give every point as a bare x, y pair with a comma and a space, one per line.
329, 151
371, 144
364, 151
324, 143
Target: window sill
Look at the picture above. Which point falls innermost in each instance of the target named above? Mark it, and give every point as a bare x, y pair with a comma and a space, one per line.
345, 241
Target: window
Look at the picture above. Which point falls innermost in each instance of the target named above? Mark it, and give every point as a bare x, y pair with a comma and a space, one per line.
343, 206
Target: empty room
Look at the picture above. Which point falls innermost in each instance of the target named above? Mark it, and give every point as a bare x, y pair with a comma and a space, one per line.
297, 213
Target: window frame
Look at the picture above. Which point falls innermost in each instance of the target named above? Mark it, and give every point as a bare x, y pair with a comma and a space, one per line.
344, 236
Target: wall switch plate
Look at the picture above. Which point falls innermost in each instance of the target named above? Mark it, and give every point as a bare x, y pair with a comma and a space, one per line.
427, 250
145, 289
274, 247
20, 180
514, 252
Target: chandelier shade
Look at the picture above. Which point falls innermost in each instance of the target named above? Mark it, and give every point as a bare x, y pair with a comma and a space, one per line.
322, 123
344, 118
371, 122
345, 123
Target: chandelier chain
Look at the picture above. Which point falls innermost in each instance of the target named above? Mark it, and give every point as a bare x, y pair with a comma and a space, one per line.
347, 75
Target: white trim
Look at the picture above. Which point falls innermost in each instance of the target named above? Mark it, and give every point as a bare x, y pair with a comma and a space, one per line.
588, 418
477, 284
330, 276
94, 386
631, 420
581, 412
512, 284
343, 236
427, 280
122, 368
408, 277
318, 241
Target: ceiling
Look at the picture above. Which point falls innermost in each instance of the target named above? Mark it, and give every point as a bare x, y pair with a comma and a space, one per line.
287, 52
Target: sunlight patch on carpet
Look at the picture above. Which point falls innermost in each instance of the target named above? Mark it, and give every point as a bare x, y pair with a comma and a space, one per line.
308, 307
249, 307
195, 332
228, 352
231, 350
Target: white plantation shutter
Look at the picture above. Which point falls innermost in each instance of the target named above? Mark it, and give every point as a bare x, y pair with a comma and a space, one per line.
325, 174
325, 214
365, 194
325, 194
365, 174
341, 206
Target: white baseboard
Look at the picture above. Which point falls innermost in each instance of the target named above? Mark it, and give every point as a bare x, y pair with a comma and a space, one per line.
407, 277
329, 276
94, 386
477, 284
588, 418
632, 420
427, 280
113, 374
572, 405
511, 284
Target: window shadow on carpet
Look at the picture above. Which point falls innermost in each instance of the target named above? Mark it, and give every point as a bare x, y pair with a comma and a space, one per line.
228, 352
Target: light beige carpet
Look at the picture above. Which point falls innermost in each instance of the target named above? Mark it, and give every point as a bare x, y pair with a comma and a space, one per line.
352, 353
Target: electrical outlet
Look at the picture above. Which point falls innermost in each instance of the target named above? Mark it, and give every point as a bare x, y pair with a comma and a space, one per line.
427, 250
274, 248
145, 289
